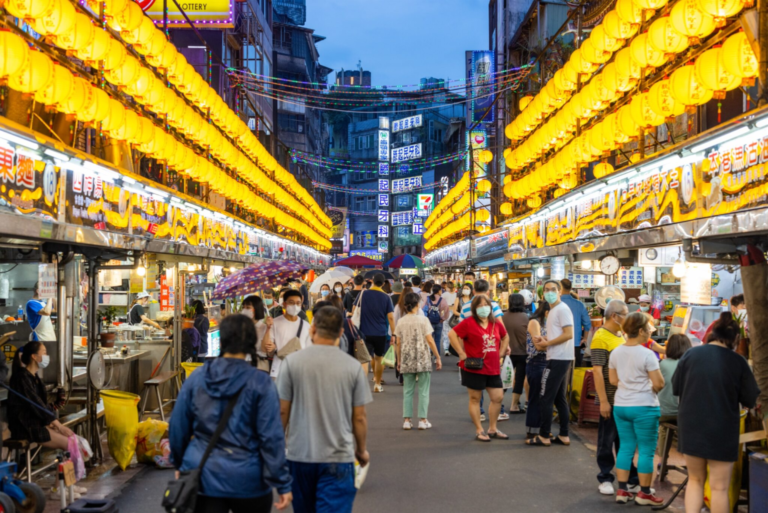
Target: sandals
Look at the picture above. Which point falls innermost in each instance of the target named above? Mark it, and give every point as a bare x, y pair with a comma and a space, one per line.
477, 437
558, 441
536, 441
498, 435
517, 412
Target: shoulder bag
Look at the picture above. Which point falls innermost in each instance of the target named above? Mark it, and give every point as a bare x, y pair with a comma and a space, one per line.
358, 311
293, 345
477, 363
361, 350
181, 494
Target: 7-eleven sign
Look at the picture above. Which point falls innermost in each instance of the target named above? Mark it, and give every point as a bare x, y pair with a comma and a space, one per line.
425, 204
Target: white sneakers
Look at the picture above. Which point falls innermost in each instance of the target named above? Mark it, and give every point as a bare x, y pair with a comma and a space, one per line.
503, 416
378, 388
606, 488
424, 424
482, 417
408, 426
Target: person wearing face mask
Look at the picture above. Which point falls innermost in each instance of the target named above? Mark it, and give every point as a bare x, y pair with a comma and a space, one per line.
269, 301
289, 332
278, 310
738, 311
39, 317
558, 343
325, 292
136, 314
338, 290
464, 298
37, 424
646, 307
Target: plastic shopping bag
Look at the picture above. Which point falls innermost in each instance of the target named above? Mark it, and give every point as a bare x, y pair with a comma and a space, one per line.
150, 437
76, 456
507, 373
389, 358
360, 473
85, 447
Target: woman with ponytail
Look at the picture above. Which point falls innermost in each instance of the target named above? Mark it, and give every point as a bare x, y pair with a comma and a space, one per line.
713, 382
30, 415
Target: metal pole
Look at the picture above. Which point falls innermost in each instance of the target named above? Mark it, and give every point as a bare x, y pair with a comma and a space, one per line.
92, 395
762, 13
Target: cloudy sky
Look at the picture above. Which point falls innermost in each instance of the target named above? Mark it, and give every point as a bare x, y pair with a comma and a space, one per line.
399, 41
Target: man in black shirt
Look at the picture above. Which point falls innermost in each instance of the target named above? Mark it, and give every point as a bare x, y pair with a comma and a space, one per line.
351, 296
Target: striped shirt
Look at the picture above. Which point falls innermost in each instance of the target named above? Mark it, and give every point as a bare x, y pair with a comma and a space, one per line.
466, 310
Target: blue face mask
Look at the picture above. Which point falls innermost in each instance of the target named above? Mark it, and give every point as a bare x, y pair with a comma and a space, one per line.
268, 302
483, 312
551, 297
324, 292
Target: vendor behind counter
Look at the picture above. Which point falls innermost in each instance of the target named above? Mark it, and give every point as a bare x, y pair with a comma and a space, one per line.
136, 313
39, 317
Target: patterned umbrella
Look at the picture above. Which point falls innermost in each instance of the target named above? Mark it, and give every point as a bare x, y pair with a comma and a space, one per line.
405, 262
357, 262
257, 277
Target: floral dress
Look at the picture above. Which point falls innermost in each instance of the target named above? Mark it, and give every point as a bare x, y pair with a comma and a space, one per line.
531, 349
415, 355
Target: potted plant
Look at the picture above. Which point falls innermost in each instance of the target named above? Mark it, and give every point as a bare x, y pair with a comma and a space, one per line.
596, 316
108, 315
189, 317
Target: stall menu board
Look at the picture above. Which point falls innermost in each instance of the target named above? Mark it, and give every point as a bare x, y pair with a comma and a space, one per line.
489, 244
696, 284
46, 280
28, 185
96, 203
454, 253
582, 281
631, 278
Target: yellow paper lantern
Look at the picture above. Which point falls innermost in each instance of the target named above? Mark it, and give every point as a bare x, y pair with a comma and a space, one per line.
615, 27
626, 122
650, 5
77, 96
126, 73
116, 116
579, 106
34, 76
570, 74
155, 45
598, 141
116, 55
629, 11
486, 156
79, 36
628, 70
582, 65
482, 215
738, 57
611, 79
524, 102
142, 33
602, 169
561, 82
590, 53
59, 88
59, 20
505, 208
690, 21
483, 186
711, 73
165, 59
602, 41
128, 131
29, 9
663, 37
610, 129
141, 84
720, 9
642, 113
686, 88
645, 55
128, 19
661, 102
14, 53
146, 131
98, 48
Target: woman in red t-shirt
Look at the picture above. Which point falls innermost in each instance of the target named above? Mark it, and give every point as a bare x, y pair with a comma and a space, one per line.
482, 340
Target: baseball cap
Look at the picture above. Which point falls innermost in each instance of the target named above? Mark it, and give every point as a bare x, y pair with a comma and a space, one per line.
142, 295
645, 298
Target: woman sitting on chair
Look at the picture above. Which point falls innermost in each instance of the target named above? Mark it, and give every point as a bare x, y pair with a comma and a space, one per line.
33, 422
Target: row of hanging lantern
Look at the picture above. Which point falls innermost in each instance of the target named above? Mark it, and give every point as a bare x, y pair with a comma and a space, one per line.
462, 223
33, 72
716, 71
445, 204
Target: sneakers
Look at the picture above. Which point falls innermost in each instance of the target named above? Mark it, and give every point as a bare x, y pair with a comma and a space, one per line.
447, 353
623, 496
424, 424
407, 425
378, 388
503, 416
606, 488
482, 417
648, 499
635, 489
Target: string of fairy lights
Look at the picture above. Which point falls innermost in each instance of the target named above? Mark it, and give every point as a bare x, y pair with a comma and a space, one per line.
350, 190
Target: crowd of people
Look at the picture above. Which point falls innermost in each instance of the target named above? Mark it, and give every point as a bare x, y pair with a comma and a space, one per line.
310, 427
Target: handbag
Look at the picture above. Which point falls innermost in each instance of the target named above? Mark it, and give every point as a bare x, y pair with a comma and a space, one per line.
293, 345
181, 494
477, 363
361, 350
357, 315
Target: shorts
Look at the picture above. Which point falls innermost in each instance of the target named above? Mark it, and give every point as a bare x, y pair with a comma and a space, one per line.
475, 381
377, 346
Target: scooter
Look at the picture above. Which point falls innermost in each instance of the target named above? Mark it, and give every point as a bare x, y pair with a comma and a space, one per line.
18, 496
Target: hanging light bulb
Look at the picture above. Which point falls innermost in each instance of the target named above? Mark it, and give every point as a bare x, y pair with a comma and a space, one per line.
232, 269
680, 267
540, 272
141, 270
586, 264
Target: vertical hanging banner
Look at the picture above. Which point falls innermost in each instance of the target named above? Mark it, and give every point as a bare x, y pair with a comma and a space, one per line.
383, 146
338, 217
481, 65
384, 168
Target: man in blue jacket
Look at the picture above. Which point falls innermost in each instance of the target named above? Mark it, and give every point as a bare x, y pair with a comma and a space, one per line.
581, 321
249, 458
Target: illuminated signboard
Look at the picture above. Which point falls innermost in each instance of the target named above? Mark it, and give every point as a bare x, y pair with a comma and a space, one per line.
203, 13
406, 184
481, 66
410, 152
402, 218
425, 204
407, 123
383, 148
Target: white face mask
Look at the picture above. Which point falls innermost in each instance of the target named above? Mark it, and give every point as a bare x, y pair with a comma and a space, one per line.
293, 310
337, 289
46, 360
466, 292
248, 312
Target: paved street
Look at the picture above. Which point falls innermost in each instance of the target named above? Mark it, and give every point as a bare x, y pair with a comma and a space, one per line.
444, 469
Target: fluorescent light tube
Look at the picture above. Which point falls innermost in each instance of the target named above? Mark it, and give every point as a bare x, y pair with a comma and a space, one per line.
19, 140
720, 140
157, 192
57, 155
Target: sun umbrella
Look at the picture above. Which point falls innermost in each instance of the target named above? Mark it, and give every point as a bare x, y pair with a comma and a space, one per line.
328, 278
346, 270
358, 261
256, 278
405, 262
370, 274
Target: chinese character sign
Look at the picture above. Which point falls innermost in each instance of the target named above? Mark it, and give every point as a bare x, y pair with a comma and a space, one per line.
407, 123
46, 278
384, 145
383, 185
402, 218
418, 229
383, 231
410, 152
383, 200
384, 168
406, 184
383, 216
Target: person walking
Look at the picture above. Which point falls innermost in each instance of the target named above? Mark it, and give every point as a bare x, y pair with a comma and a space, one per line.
338, 290
351, 297
437, 311
415, 340
323, 393
397, 291
284, 335
464, 299
202, 325
516, 323
583, 324
480, 340
248, 461
560, 354
634, 370
535, 364
607, 338
449, 296
676, 347
712, 378
376, 318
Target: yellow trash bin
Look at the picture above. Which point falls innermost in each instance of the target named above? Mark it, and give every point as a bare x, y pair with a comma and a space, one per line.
189, 367
122, 415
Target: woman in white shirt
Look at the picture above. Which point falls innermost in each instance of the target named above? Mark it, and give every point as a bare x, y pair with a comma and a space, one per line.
635, 371
449, 296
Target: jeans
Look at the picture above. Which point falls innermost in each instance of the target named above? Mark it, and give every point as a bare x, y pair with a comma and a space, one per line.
261, 504
323, 487
578, 354
445, 343
638, 429
607, 440
409, 382
534, 371
437, 335
518, 362
553, 385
